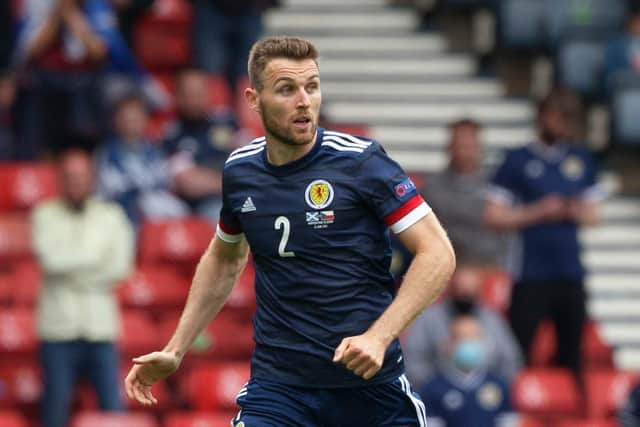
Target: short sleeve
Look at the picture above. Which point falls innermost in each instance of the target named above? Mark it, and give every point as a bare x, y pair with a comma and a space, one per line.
388, 190
592, 190
504, 185
229, 228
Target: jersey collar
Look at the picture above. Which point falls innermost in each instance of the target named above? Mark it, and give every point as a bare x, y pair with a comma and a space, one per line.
296, 164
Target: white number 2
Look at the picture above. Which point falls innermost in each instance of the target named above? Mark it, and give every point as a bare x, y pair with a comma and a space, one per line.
283, 222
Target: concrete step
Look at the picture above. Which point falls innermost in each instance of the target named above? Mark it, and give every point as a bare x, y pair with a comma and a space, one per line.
379, 46
613, 285
621, 210
419, 137
612, 235
503, 112
625, 260
477, 90
621, 333
621, 309
385, 21
627, 359
333, 5
354, 70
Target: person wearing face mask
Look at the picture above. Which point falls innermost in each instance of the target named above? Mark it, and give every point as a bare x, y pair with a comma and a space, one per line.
431, 329
464, 391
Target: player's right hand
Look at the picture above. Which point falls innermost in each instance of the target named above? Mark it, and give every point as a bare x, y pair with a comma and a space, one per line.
147, 370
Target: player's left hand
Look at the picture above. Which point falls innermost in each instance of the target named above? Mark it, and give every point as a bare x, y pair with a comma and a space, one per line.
361, 354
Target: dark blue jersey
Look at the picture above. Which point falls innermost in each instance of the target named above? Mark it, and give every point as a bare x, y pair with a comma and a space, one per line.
476, 400
548, 251
318, 232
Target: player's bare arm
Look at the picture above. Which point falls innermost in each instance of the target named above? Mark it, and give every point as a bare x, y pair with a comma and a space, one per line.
217, 272
430, 270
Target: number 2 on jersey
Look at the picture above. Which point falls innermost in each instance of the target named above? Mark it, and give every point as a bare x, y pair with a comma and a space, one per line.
283, 222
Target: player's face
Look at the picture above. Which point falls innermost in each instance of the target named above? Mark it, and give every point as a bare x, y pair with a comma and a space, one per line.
289, 102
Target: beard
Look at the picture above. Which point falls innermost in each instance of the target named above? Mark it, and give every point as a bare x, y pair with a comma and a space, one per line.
283, 134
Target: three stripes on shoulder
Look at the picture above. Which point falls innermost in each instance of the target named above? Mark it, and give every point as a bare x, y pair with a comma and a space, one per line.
336, 140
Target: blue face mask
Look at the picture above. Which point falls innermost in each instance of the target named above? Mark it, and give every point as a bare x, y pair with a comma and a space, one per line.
469, 354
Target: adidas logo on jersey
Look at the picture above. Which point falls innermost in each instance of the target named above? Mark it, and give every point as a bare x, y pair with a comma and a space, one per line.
248, 206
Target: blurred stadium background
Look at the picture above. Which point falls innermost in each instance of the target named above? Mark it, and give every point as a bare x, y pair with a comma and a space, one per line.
397, 71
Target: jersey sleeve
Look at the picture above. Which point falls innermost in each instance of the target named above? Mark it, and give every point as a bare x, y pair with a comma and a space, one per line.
388, 190
593, 191
229, 228
504, 187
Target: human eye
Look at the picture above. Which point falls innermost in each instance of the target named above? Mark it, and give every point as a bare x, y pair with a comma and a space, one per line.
285, 89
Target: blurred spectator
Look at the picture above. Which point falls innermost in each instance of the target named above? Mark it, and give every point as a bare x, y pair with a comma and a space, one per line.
198, 144
623, 52
225, 30
64, 52
464, 391
131, 170
457, 196
128, 13
7, 97
546, 191
630, 413
66, 47
84, 247
426, 336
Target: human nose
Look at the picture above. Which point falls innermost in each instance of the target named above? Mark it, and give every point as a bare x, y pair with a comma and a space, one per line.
304, 100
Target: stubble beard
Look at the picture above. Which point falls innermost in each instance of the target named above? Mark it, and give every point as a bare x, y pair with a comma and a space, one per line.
282, 134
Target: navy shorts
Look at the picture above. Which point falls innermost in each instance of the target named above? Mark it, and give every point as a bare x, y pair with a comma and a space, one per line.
269, 404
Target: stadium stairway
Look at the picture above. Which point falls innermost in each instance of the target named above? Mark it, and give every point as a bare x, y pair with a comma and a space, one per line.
406, 86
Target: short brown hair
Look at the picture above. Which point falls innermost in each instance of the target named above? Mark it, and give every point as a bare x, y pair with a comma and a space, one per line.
270, 48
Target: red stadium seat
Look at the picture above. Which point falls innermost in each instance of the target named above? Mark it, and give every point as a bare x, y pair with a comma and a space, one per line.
223, 338
607, 391
25, 184
12, 419
586, 423
526, 421
175, 242
15, 237
215, 387
17, 332
20, 383
242, 301
496, 289
106, 419
26, 280
199, 419
547, 392
163, 35
154, 287
139, 334
596, 353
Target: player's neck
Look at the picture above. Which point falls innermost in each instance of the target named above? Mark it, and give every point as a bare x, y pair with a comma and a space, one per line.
279, 153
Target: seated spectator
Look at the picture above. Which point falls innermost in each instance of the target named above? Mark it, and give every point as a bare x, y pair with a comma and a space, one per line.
623, 52
85, 247
630, 413
431, 329
457, 196
464, 388
198, 144
132, 171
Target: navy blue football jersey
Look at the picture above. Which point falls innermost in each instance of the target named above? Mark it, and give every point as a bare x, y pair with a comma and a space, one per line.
318, 232
546, 251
